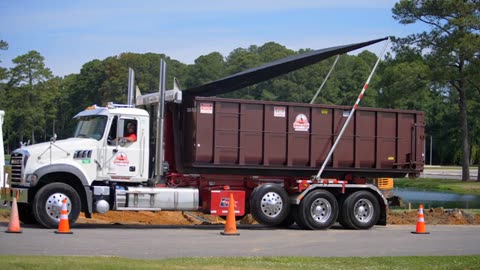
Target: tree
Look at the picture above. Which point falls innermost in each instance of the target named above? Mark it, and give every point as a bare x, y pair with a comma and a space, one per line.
450, 47
207, 68
26, 79
405, 82
3, 76
3, 71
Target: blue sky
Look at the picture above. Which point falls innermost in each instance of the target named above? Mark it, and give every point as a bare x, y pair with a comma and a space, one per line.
71, 33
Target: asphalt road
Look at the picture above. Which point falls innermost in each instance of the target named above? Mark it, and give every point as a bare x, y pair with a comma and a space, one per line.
440, 173
155, 242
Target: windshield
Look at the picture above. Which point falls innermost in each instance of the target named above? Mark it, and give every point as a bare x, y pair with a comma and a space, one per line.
91, 127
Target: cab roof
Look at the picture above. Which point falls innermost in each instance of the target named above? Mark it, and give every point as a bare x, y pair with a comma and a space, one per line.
96, 110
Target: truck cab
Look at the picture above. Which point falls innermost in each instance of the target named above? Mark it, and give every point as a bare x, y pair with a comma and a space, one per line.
117, 158
46, 173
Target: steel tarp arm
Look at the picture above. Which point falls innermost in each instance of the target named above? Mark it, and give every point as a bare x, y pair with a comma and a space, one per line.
272, 69
352, 111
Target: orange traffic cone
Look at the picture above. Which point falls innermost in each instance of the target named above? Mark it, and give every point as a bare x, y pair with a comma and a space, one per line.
14, 225
63, 226
230, 225
421, 229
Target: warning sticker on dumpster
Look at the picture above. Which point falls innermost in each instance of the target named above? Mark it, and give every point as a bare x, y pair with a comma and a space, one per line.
301, 123
279, 111
206, 108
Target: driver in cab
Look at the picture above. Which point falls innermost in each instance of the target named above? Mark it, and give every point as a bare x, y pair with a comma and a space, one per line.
131, 135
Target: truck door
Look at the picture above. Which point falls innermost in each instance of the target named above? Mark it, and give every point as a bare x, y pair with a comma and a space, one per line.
122, 149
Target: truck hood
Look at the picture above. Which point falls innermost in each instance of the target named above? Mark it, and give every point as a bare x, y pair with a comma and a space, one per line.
68, 145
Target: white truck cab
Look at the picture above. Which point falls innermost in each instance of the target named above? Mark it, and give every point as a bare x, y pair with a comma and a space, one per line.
98, 151
113, 157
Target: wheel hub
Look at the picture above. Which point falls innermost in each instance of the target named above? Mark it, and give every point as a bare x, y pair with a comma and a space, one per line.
272, 204
321, 210
363, 210
54, 204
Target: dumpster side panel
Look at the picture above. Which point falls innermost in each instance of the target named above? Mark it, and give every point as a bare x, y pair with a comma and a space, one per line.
293, 139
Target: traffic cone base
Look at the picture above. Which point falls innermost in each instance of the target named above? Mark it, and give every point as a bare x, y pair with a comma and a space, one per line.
14, 224
230, 225
63, 225
421, 229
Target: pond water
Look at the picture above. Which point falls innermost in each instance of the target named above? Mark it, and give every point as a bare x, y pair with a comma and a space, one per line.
432, 199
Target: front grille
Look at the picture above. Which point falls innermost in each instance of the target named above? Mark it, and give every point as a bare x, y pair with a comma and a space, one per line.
17, 163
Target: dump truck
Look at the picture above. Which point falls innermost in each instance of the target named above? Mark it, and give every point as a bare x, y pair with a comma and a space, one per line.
192, 149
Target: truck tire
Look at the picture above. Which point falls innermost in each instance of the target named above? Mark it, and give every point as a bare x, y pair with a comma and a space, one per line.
318, 210
288, 221
25, 214
47, 204
360, 211
269, 204
299, 221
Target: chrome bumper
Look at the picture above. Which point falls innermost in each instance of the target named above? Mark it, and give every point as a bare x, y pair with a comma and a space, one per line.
7, 194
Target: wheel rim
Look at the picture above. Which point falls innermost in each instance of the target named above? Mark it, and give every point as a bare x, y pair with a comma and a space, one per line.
54, 203
363, 210
272, 204
321, 210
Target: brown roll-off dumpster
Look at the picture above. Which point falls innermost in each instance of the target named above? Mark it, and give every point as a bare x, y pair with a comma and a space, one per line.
292, 139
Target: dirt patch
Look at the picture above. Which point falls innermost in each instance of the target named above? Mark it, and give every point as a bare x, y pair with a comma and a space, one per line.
434, 216
150, 218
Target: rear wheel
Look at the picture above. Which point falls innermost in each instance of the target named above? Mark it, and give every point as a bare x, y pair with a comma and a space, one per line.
47, 204
360, 211
317, 211
269, 204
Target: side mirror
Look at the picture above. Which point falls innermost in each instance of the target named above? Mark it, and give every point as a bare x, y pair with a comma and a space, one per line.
122, 142
54, 138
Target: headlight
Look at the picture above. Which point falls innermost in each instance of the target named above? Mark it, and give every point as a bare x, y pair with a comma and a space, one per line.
31, 180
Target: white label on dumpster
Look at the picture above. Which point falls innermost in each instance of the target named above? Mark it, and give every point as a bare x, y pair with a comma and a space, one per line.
206, 108
279, 111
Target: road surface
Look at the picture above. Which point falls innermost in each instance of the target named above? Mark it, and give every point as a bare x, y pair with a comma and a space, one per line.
156, 242
448, 173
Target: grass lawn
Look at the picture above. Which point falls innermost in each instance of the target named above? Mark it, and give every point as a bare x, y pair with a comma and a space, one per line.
440, 168
457, 186
276, 263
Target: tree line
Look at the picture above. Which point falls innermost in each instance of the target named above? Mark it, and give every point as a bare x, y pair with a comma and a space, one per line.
435, 72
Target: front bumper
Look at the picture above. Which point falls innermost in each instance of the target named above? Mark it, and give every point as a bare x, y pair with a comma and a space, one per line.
7, 194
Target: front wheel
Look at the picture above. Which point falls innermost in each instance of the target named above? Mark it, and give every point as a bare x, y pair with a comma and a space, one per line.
360, 211
269, 204
47, 204
317, 211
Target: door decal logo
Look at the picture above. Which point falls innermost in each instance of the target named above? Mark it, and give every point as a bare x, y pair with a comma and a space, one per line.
301, 123
121, 159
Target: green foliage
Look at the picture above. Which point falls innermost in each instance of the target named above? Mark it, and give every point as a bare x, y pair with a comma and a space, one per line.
29, 70
207, 68
27, 92
449, 185
3, 71
450, 49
